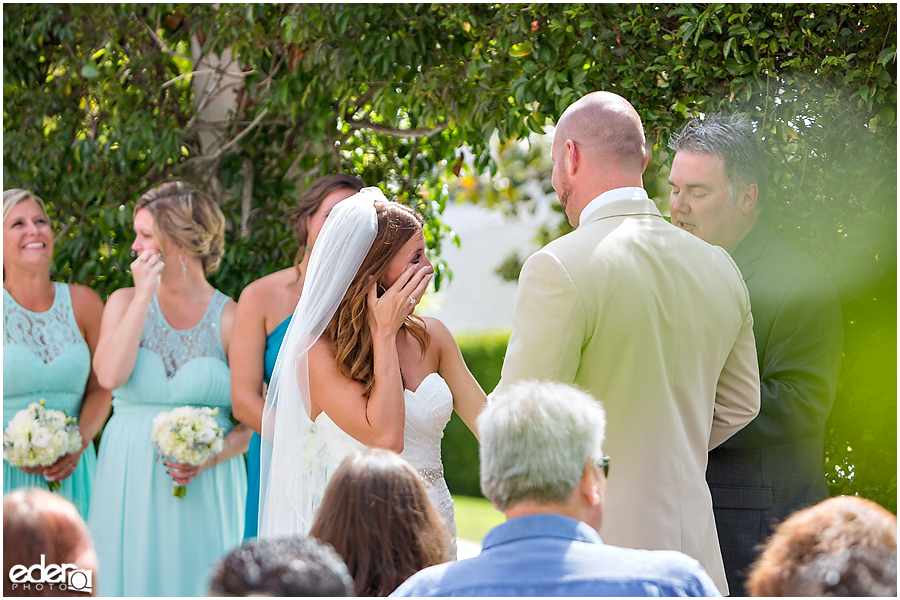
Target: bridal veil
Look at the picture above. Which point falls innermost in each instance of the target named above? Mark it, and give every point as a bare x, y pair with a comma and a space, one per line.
292, 469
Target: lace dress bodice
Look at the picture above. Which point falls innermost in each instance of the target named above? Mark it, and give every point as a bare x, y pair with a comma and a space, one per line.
44, 356
428, 411
178, 367
149, 542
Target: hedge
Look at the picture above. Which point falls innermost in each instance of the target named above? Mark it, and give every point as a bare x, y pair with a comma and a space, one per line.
484, 354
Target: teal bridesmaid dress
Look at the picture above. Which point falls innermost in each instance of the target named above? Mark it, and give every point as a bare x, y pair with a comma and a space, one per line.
251, 519
149, 542
45, 356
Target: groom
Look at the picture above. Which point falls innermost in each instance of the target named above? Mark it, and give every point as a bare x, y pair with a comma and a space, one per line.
654, 322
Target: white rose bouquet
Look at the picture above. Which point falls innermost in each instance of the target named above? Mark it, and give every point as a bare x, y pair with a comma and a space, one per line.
187, 434
37, 437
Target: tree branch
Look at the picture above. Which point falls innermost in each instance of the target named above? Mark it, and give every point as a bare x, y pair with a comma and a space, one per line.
300, 156
241, 135
415, 133
162, 45
246, 196
211, 158
174, 79
412, 166
62, 232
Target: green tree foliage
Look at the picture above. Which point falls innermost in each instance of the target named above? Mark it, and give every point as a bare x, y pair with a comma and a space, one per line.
99, 104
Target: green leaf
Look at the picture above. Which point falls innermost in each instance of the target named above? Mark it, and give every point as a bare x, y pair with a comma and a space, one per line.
90, 71
521, 49
575, 60
886, 56
729, 47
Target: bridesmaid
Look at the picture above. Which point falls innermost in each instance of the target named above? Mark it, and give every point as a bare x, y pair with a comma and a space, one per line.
49, 335
263, 314
163, 344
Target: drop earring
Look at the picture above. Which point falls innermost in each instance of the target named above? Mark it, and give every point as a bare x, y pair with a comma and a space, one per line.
183, 267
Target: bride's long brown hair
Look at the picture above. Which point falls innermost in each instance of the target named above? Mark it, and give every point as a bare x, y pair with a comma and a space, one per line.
348, 330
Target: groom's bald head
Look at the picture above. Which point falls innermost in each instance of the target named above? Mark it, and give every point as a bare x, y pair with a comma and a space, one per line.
598, 146
608, 128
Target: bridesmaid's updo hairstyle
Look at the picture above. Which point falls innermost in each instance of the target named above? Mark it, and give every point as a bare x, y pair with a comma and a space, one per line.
348, 330
12, 197
190, 218
312, 199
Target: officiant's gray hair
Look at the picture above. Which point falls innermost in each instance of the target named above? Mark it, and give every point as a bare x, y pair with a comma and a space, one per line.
732, 139
536, 438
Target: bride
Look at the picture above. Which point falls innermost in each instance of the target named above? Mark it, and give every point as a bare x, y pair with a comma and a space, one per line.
357, 368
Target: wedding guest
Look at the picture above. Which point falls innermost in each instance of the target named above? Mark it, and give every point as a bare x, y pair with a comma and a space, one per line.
44, 528
262, 318
654, 322
843, 546
358, 369
377, 516
298, 567
50, 332
775, 465
542, 464
163, 344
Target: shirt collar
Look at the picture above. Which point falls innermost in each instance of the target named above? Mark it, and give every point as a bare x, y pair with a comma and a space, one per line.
541, 525
625, 193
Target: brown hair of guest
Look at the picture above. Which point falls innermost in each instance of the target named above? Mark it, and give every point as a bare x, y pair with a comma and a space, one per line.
349, 332
310, 202
189, 218
37, 522
376, 514
828, 528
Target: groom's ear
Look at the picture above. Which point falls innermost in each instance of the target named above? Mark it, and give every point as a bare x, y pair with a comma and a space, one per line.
573, 157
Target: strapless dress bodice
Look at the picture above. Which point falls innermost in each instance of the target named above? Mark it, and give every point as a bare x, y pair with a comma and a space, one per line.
428, 411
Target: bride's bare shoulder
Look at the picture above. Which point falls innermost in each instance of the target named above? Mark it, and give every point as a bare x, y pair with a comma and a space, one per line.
438, 332
433, 324
321, 351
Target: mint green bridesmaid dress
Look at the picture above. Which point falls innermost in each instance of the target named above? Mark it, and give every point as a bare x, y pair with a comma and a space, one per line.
149, 542
45, 356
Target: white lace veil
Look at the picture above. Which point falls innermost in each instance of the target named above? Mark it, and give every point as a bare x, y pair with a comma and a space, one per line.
292, 474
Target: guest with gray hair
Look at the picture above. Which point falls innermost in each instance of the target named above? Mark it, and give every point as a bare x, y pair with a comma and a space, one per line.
774, 465
542, 465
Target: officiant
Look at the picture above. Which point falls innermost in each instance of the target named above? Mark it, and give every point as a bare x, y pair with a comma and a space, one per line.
774, 465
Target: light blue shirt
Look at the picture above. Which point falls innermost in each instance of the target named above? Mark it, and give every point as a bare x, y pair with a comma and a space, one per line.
552, 555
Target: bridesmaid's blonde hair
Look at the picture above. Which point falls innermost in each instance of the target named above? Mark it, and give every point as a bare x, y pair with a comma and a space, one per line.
190, 218
12, 197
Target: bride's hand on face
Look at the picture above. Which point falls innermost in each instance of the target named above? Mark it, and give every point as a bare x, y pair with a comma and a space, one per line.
387, 313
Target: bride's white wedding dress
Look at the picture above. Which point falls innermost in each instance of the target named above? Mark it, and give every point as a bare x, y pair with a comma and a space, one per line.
428, 411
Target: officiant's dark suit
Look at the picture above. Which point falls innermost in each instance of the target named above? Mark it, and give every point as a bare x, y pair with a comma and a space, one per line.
774, 465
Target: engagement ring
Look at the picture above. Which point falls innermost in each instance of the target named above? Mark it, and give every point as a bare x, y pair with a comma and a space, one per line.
412, 300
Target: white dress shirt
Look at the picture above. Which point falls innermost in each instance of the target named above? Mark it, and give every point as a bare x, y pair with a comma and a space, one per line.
625, 193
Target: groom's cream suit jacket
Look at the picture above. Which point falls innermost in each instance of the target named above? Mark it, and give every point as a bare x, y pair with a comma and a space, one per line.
656, 324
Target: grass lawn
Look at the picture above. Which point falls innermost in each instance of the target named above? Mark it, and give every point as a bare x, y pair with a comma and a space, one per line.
475, 517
